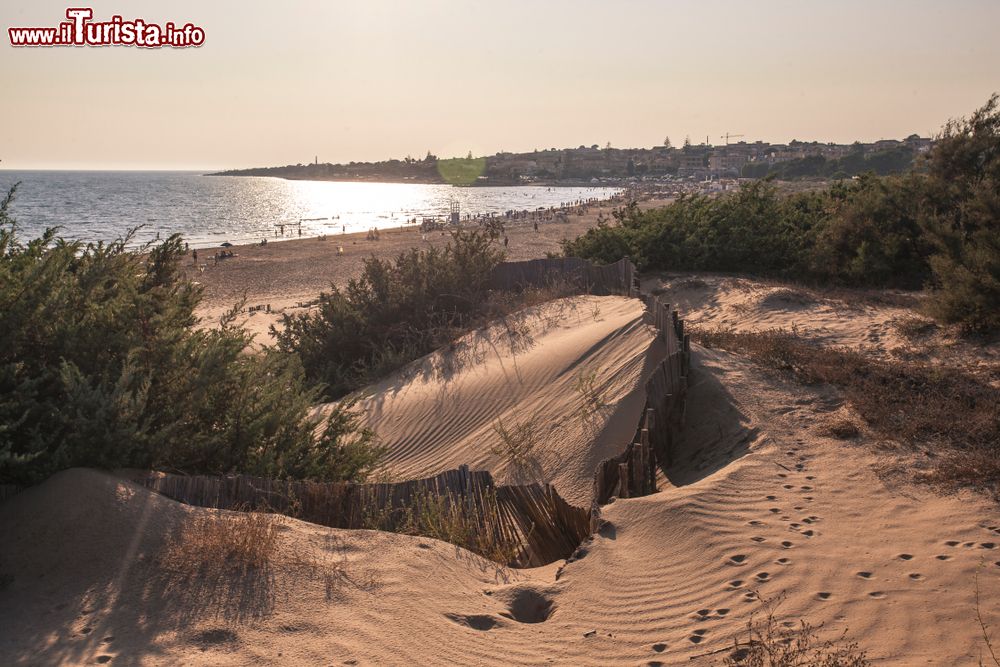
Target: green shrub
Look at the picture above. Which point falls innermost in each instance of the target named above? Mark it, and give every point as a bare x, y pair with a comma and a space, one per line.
937, 226
857, 233
961, 217
101, 367
393, 313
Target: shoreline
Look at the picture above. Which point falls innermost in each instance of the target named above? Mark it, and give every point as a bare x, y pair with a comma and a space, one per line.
288, 274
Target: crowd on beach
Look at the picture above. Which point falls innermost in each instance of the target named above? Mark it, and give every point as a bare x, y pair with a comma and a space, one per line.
493, 220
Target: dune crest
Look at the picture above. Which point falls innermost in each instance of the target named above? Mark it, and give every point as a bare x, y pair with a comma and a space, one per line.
570, 371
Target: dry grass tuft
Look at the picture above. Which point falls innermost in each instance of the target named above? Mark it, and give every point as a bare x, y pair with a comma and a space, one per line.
216, 543
842, 429
913, 327
788, 296
954, 413
237, 551
770, 643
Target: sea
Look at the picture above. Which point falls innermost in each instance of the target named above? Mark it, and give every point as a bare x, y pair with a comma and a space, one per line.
207, 211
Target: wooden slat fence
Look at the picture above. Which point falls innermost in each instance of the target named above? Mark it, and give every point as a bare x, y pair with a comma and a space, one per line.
616, 278
633, 472
530, 524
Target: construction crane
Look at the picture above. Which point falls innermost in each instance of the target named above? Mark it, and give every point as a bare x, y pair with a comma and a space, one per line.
727, 136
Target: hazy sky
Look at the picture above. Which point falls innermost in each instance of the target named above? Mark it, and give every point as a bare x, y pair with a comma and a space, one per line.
280, 82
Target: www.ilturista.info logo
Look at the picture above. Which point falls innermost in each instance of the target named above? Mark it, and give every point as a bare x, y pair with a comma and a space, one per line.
79, 30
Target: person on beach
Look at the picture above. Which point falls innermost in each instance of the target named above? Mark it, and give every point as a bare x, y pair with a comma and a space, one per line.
194, 256
505, 241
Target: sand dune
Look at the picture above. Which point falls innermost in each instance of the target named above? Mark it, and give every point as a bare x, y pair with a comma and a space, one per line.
760, 501
881, 323
440, 412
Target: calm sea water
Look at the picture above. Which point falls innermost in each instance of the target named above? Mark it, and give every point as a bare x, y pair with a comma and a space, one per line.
208, 210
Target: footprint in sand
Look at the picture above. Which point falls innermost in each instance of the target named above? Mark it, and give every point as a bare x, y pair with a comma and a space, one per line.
878, 595
809, 498
755, 522
987, 545
794, 526
810, 477
758, 539
735, 583
916, 576
738, 559
806, 488
787, 545
660, 648
809, 533
952, 543
103, 659
783, 561
763, 576
905, 556
942, 557
774, 510
997, 563
771, 498
787, 486
798, 508
823, 595
865, 575
701, 614
782, 475
721, 612
697, 636
750, 596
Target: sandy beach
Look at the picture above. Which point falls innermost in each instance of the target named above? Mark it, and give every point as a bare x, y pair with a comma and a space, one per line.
286, 274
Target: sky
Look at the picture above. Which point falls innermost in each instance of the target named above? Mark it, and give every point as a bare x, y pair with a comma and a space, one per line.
279, 83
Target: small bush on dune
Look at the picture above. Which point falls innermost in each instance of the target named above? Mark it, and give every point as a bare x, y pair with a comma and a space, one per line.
393, 313
101, 367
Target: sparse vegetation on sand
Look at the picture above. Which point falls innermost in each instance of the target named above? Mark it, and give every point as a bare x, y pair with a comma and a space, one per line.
518, 447
586, 387
771, 643
946, 410
935, 227
101, 366
450, 518
251, 550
